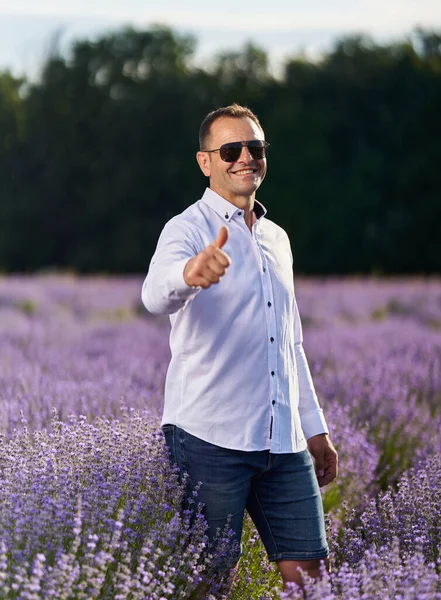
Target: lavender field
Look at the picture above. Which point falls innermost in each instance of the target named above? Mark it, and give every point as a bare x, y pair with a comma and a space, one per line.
89, 507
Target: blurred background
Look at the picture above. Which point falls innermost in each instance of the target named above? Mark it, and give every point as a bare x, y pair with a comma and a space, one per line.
100, 109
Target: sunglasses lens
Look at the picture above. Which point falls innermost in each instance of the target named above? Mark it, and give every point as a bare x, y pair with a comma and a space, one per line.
230, 152
257, 149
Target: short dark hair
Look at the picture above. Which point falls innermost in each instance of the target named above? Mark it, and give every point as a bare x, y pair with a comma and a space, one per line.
234, 110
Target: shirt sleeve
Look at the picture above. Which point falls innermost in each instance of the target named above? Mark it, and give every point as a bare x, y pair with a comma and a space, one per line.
311, 414
164, 290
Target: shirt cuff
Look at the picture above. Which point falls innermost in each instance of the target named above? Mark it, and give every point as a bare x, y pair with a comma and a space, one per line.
178, 289
313, 423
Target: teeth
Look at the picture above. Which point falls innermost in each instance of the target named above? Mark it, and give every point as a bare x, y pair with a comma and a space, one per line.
244, 172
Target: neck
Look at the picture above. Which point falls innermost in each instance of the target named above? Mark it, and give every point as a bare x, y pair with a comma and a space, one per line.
249, 216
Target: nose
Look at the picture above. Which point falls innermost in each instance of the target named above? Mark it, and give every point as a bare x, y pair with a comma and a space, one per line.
247, 156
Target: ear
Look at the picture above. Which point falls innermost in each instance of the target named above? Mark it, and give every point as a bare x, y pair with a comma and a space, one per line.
204, 163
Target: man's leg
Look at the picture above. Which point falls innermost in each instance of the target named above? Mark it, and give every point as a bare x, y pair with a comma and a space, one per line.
286, 507
203, 589
290, 570
225, 477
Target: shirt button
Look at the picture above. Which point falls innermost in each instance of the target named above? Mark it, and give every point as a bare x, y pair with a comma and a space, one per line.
264, 270
227, 215
271, 339
239, 213
272, 373
273, 402
269, 303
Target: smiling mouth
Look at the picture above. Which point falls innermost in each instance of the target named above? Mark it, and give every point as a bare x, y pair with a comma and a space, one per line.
245, 172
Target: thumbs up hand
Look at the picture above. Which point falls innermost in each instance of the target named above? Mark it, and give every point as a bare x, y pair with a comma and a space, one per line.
210, 265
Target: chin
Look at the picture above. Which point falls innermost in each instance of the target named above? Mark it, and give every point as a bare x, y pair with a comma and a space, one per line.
250, 190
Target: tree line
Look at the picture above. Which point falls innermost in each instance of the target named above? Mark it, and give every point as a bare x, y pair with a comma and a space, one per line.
99, 153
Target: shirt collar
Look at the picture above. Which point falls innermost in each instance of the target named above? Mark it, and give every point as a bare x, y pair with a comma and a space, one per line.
227, 210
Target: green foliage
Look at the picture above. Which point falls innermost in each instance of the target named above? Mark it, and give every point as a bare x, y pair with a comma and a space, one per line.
100, 153
256, 577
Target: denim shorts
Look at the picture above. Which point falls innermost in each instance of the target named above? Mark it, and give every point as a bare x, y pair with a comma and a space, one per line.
279, 491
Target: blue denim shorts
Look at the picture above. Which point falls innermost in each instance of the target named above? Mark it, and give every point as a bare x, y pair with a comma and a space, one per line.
279, 491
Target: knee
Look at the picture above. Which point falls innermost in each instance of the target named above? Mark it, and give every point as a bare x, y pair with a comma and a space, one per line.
292, 570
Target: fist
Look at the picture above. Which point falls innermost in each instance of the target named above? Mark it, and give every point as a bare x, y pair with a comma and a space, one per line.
210, 265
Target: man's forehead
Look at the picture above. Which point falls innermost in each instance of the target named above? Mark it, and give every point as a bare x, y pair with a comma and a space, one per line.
235, 128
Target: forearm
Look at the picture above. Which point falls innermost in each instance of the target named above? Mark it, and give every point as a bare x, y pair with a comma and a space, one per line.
164, 290
311, 413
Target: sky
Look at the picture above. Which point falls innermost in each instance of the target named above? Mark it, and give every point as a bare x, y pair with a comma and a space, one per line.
281, 27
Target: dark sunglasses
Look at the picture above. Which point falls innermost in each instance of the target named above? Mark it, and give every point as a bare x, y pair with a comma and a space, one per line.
231, 152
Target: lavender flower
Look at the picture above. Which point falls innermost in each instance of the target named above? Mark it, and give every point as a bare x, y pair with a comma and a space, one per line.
89, 506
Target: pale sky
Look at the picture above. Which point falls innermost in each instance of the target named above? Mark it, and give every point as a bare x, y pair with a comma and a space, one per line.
281, 27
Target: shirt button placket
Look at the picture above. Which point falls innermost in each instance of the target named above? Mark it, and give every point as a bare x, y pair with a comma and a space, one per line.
272, 345
272, 349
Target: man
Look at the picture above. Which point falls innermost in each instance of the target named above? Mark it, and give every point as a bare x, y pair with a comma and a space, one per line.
240, 410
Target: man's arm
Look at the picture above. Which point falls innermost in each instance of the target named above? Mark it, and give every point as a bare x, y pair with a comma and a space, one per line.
325, 458
311, 415
178, 272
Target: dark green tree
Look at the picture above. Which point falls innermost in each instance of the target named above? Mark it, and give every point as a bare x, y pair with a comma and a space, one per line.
12, 134
96, 156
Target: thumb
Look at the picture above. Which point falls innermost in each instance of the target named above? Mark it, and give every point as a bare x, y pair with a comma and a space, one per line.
222, 237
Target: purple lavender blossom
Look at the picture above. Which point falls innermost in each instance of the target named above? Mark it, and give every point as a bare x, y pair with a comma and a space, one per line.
89, 507
93, 510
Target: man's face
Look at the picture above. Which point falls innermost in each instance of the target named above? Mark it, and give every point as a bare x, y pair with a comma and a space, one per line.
237, 181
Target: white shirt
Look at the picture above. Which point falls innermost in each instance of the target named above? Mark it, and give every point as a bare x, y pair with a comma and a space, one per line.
238, 375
